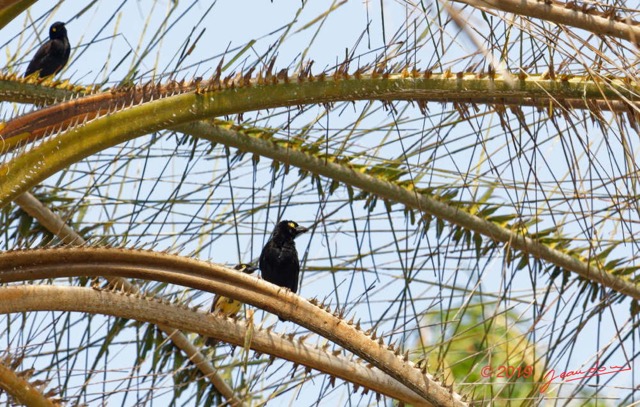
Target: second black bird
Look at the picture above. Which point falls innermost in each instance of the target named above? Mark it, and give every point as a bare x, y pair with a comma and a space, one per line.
279, 258
53, 54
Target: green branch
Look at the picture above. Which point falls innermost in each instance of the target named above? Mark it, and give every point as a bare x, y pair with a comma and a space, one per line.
425, 204
10, 9
55, 153
81, 141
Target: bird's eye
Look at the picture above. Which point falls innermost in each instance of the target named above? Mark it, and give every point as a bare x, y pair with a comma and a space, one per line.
54, 29
292, 225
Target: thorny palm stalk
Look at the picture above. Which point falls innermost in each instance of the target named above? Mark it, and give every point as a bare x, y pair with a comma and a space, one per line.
540, 143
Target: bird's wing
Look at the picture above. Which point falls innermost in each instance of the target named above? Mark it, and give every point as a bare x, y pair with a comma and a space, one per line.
225, 306
38, 58
296, 276
288, 260
230, 308
272, 255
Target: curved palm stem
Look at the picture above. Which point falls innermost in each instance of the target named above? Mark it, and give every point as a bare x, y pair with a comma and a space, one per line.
142, 308
55, 225
177, 103
10, 9
21, 390
58, 152
424, 203
52, 263
569, 13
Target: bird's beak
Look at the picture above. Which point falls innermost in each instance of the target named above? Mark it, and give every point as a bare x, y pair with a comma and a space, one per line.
300, 230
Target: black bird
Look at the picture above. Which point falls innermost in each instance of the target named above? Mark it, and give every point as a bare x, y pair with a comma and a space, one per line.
279, 259
228, 307
53, 54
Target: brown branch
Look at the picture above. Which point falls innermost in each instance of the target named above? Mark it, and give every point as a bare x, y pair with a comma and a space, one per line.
139, 308
56, 225
73, 262
566, 13
21, 390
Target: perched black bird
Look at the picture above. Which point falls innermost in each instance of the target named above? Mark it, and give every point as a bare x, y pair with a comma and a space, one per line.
228, 307
53, 54
279, 259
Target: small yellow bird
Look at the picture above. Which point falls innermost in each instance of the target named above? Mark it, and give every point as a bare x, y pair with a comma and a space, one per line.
228, 307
